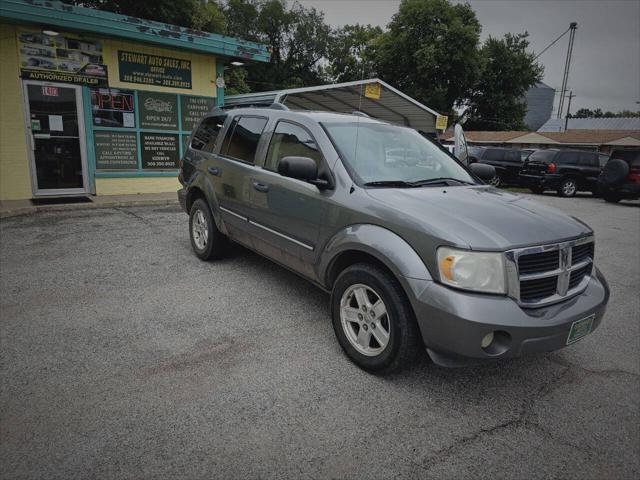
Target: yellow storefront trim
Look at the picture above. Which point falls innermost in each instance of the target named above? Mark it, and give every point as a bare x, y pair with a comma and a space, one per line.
15, 178
126, 186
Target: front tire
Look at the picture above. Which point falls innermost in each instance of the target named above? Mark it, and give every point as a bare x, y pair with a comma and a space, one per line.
568, 188
373, 320
206, 240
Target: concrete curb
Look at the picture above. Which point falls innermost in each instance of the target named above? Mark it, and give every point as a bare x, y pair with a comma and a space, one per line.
9, 212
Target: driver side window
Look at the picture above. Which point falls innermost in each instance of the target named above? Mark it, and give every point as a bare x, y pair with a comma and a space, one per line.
290, 140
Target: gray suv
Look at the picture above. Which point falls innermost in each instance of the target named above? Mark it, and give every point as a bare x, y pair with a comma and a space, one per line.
415, 250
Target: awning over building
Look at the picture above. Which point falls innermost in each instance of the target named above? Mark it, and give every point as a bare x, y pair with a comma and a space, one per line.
373, 97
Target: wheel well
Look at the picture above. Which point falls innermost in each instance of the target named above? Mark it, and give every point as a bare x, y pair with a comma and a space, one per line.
193, 195
351, 257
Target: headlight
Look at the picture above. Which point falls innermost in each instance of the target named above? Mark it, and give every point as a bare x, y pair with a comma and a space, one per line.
477, 271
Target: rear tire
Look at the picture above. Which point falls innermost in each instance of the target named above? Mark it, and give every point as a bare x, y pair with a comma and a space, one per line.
373, 319
207, 241
568, 188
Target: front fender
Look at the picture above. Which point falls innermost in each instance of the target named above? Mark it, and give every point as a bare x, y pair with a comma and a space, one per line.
379, 242
200, 181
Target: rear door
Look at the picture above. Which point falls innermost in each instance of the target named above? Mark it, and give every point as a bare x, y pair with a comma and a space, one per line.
286, 213
231, 172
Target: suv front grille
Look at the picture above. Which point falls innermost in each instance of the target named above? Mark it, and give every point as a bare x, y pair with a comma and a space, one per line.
535, 290
539, 262
542, 275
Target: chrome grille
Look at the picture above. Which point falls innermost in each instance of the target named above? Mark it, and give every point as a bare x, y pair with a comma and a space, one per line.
547, 274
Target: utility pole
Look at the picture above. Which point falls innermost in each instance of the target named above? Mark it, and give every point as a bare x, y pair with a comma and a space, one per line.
573, 26
566, 119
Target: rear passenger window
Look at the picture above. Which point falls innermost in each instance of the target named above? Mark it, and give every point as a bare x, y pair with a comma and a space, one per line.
588, 159
492, 154
243, 138
206, 134
568, 158
513, 156
291, 140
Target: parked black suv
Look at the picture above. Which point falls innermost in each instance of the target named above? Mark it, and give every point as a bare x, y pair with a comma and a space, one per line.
620, 177
506, 161
566, 171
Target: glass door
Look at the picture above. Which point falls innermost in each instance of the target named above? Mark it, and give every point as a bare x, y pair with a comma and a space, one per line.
56, 135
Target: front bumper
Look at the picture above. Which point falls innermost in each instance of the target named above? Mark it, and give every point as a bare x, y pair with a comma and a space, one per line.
454, 322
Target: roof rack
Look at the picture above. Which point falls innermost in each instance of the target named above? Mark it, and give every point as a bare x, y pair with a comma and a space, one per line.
272, 106
278, 106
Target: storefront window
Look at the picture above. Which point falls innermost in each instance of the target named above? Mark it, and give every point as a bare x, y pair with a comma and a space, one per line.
143, 131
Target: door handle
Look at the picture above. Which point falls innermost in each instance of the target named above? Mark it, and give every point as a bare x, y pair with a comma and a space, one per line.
213, 171
261, 187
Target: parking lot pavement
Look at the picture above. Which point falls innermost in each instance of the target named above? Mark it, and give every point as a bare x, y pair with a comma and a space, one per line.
124, 356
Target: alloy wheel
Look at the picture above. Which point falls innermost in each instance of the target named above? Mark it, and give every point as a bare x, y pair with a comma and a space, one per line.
365, 320
569, 188
200, 230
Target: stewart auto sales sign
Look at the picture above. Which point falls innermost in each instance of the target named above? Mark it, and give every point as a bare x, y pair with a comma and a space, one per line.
156, 70
61, 58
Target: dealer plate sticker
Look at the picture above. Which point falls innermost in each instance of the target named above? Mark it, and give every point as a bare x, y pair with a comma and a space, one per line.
580, 328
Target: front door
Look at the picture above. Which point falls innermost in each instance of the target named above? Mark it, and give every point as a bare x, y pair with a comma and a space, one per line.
56, 138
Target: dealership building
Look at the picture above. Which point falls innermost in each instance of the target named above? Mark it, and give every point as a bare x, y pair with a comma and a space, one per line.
96, 103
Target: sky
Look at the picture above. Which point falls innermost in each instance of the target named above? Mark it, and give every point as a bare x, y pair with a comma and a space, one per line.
605, 69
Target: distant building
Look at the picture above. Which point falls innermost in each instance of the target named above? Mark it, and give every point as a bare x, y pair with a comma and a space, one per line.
539, 100
604, 123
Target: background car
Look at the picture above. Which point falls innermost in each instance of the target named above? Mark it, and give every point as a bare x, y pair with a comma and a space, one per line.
565, 171
620, 177
506, 161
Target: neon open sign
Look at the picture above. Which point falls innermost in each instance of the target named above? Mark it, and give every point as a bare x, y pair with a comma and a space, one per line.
114, 101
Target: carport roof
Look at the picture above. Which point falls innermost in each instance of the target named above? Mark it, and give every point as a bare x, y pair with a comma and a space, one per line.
392, 106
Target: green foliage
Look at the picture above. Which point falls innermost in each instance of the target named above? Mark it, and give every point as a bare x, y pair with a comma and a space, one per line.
185, 13
507, 72
430, 52
298, 36
352, 53
598, 113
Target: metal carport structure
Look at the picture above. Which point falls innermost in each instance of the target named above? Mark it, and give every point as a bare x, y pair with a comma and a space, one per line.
392, 105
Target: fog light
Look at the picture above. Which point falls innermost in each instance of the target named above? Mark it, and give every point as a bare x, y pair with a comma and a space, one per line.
486, 340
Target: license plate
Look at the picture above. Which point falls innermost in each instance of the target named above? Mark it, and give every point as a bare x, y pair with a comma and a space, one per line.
580, 328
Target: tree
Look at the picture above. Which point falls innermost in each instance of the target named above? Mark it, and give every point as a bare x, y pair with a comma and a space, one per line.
430, 52
597, 113
507, 72
206, 16
298, 37
351, 53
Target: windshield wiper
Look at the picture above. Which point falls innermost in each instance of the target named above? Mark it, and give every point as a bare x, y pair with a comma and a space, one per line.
439, 180
390, 183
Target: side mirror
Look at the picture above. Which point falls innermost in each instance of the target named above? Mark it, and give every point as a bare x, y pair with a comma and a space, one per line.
483, 171
301, 168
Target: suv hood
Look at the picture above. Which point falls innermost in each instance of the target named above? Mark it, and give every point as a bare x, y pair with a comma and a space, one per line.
479, 218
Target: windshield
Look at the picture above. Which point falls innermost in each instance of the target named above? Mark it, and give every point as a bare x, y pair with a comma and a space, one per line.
377, 152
